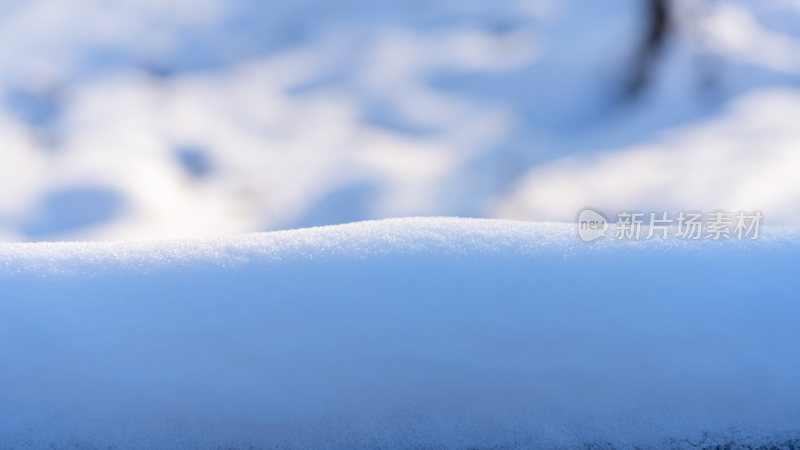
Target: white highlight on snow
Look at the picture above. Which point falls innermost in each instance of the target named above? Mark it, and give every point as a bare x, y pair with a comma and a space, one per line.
742, 160
401, 333
732, 30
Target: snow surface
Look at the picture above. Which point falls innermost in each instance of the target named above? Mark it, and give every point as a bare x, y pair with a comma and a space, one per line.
441, 332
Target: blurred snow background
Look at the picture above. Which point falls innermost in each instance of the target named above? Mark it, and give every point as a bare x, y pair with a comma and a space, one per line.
174, 118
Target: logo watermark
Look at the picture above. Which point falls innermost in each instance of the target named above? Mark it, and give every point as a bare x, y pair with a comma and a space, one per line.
591, 225
687, 225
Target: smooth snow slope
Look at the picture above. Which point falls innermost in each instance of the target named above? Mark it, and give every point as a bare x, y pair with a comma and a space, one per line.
401, 333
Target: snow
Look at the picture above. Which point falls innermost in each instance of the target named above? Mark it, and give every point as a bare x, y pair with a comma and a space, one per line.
750, 146
192, 121
429, 332
320, 112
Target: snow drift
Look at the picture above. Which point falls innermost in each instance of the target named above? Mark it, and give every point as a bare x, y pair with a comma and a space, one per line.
401, 333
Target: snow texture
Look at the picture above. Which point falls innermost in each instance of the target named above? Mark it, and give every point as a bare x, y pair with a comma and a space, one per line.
408, 333
143, 119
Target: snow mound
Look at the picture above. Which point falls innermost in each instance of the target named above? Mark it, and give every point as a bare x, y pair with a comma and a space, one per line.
401, 333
